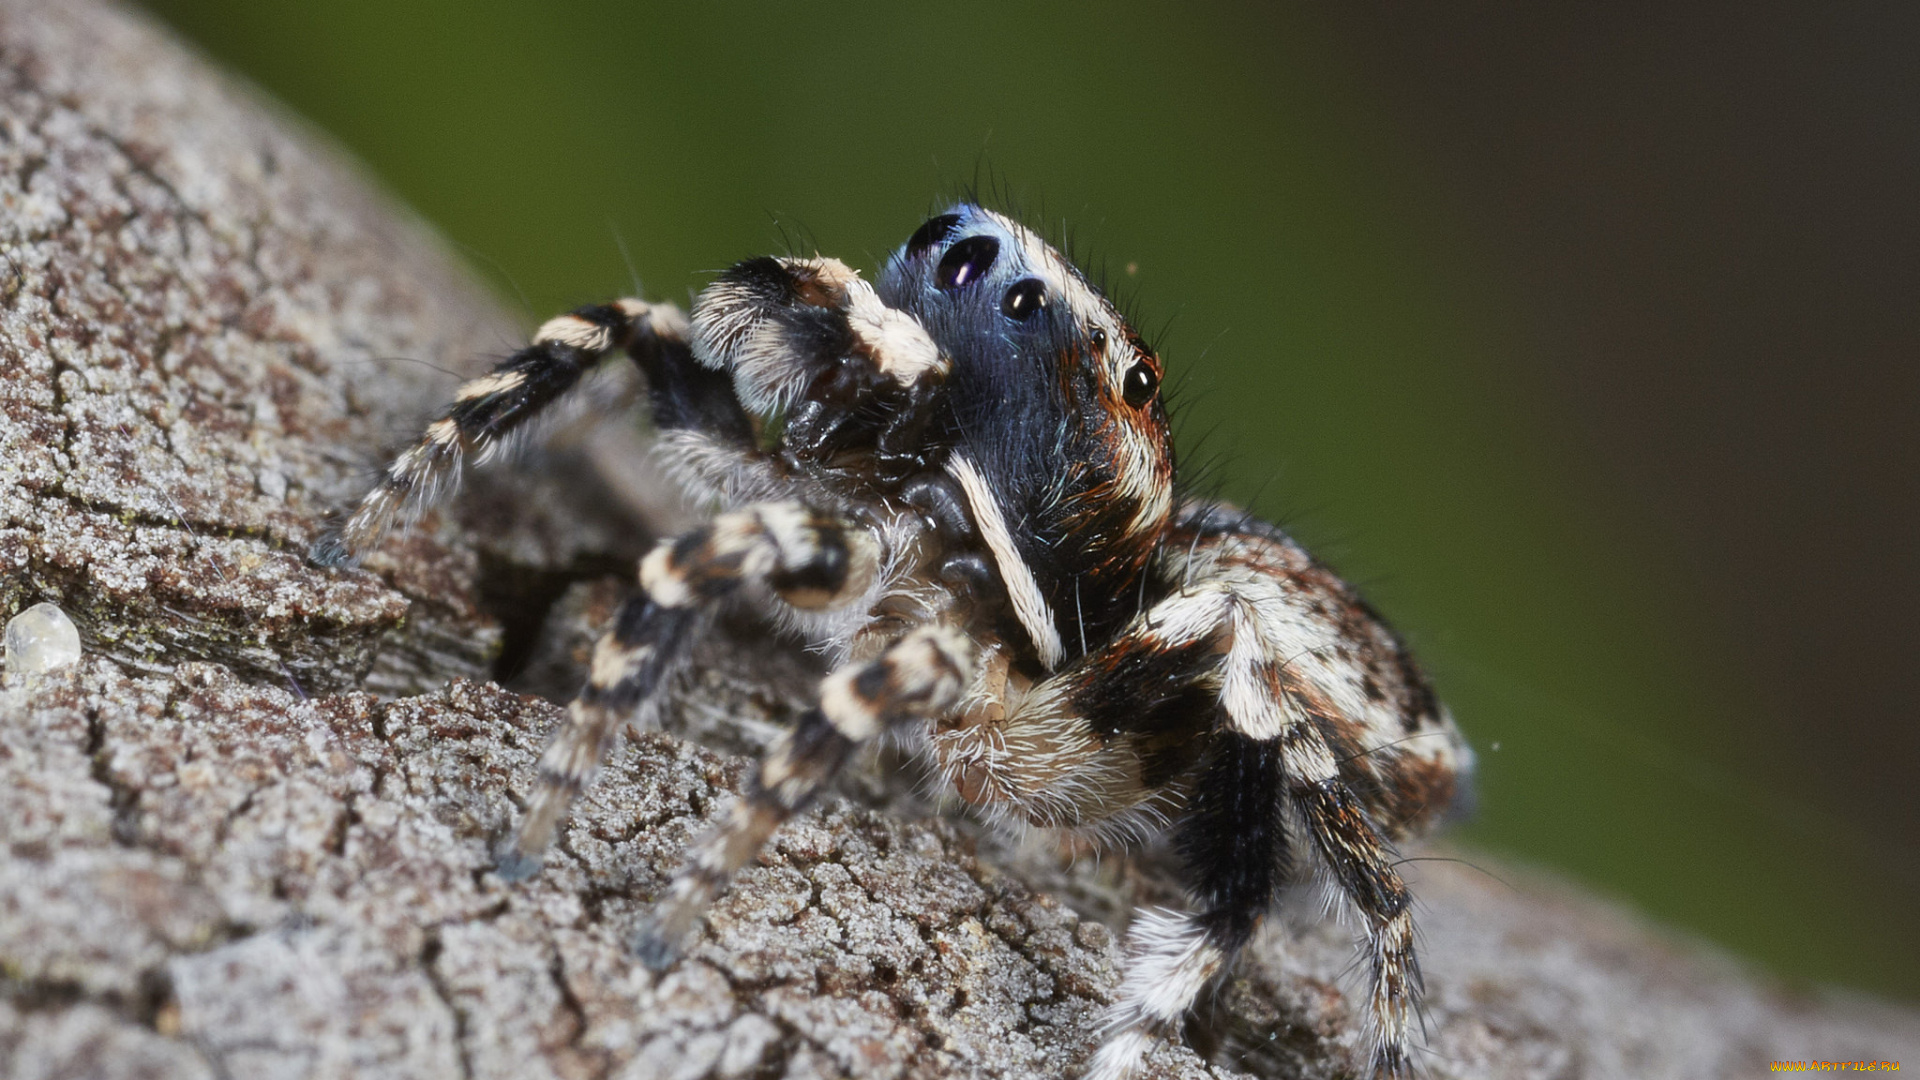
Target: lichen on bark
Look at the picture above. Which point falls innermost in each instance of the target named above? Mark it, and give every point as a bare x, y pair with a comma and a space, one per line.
249, 834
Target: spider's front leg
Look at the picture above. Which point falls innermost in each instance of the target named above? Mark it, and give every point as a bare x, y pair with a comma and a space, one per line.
811, 338
804, 557
487, 412
919, 677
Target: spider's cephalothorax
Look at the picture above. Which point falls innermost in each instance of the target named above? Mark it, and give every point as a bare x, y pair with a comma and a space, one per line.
960, 487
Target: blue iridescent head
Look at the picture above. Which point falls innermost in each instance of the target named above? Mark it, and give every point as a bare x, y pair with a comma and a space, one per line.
1053, 399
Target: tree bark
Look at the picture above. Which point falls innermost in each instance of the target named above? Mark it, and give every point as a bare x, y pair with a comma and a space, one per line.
249, 835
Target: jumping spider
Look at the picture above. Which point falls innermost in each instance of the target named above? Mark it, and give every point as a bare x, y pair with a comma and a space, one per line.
959, 486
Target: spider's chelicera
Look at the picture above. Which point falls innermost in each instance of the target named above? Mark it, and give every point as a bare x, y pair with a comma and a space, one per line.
970, 507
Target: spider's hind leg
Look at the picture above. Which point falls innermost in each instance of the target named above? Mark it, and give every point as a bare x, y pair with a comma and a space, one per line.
1232, 841
1362, 867
1271, 760
805, 557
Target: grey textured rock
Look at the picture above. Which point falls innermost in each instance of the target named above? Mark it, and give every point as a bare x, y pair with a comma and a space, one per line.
228, 855
209, 329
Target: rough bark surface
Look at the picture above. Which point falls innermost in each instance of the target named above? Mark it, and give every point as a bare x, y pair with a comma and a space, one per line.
248, 836
210, 330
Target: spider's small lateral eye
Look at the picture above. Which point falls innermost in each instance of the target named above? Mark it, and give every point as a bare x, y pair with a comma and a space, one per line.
1024, 297
1138, 384
1099, 338
933, 232
966, 262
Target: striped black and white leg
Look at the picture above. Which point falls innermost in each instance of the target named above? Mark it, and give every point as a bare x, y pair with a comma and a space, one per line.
1362, 866
807, 558
1266, 703
631, 663
1327, 800
1267, 762
1170, 960
1232, 839
487, 412
919, 677
1172, 956
684, 394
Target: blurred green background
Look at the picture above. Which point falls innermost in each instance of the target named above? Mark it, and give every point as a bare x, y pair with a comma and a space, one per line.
1353, 238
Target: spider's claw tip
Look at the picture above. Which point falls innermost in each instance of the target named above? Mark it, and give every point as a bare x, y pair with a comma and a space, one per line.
654, 947
330, 550
1392, 1063
515, 865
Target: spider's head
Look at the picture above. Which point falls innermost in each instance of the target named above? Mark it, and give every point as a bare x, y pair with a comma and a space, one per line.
1053, 398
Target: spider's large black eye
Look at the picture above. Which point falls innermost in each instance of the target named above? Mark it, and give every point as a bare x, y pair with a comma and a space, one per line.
966, 262
1024, 297
1138, 384
935, 231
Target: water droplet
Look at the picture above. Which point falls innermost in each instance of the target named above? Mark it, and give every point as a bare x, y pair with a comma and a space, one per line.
41, 639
